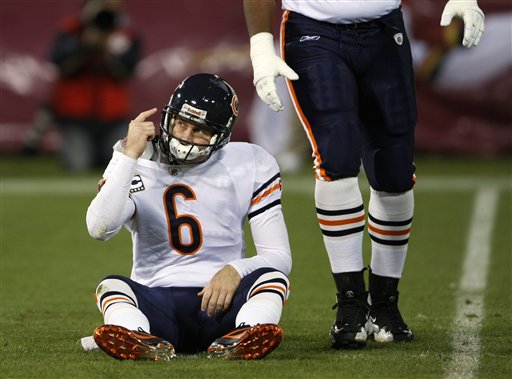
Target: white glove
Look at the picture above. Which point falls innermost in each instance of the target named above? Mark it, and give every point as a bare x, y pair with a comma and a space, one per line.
267, 66
473, 19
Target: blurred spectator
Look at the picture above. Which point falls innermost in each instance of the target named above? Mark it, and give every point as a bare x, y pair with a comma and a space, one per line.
95, 53
42, 122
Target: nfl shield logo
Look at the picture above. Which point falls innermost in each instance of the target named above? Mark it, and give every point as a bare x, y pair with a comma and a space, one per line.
399, 38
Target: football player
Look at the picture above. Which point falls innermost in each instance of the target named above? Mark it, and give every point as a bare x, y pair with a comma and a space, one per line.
184, 196
352, 84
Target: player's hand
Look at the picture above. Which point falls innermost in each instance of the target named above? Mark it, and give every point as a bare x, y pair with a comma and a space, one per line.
218, 294
474, 19
140, 132
267, 66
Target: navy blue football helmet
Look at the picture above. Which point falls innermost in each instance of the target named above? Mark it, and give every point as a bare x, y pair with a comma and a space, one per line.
203, 99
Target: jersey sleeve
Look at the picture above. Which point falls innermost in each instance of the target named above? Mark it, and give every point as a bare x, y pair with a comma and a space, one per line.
267, 184
112, 207
266, 219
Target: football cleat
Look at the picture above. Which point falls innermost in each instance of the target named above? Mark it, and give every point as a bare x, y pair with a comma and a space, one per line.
247, 342
122, 343
386, 323
349, 329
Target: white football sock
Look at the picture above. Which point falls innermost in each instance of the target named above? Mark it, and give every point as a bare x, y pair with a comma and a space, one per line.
118, 304
389, 226
265, 300
341, 218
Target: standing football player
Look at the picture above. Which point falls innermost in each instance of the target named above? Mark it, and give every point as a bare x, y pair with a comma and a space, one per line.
184, 197
352, 84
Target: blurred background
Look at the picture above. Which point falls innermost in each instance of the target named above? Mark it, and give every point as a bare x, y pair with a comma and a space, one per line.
464, 95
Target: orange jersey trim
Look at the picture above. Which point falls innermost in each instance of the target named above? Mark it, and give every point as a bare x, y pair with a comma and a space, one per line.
256, 200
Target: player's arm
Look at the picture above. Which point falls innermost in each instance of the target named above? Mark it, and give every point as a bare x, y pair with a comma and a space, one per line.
266, 219
270, 237
112, 207
259, 16
269, 234
273, 250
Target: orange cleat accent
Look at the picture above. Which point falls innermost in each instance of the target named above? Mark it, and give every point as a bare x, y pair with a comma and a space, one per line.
122, 343
247, 342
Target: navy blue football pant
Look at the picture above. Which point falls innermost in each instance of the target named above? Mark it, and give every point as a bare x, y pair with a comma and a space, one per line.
355, 97
174, 313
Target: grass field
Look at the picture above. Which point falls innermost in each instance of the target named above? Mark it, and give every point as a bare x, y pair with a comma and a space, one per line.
455, 293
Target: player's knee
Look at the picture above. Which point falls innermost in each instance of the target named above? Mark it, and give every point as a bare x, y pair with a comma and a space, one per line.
271, 282
114, 286
393, 170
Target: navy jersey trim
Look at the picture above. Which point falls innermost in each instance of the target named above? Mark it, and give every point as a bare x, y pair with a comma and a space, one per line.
266, 184
263, 209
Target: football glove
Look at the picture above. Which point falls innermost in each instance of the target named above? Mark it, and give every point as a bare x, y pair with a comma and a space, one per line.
473, 18
267, 66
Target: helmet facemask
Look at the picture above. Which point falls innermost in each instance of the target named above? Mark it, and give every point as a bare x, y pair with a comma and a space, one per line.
180, 151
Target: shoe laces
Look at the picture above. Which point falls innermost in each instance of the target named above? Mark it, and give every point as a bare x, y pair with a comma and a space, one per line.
352, 310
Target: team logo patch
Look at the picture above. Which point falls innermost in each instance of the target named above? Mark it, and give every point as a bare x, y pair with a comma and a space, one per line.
399, 38
234, 105
137, 184
309, 38
101, 289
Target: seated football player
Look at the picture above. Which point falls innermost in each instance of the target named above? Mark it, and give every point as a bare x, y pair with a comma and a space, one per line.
184, 195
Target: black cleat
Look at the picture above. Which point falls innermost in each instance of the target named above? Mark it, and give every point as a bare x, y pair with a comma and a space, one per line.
348, 331
386, 323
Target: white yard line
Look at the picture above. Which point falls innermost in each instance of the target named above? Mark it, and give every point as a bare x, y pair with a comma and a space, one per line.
60, 186
470, 295
292, 184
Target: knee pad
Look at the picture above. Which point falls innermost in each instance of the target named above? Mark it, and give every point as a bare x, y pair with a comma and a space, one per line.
271, 282
114, 287
393, 170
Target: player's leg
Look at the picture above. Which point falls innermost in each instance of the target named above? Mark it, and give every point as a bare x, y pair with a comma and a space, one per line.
107, 136
326, 97
388, 112
340, 213
125, 333
389, 228
255, 315
77, 147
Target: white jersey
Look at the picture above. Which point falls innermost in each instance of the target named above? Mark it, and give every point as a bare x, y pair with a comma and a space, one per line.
188, 221
341, 11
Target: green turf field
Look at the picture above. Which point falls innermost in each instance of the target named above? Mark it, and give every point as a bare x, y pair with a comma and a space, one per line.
455, 293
